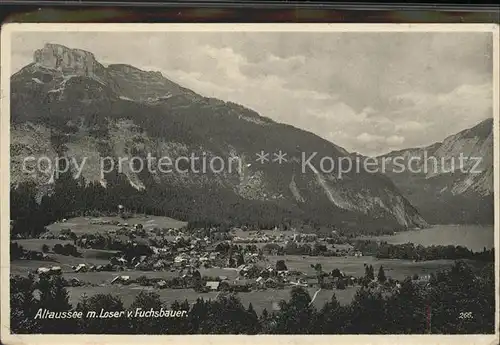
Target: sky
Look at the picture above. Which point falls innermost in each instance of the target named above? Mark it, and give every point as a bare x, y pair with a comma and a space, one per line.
367, 92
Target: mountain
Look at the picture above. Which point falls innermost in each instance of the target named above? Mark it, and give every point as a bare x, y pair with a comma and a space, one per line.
67, 104
446, 190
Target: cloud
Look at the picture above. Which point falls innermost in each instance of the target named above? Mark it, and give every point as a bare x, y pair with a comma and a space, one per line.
434, 116
410, 126
395, 140
366, 138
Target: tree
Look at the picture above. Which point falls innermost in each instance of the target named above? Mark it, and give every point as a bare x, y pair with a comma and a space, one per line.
226, 315
55, 297
25, 212
297, 315
341, 285
366, 314
460, 290
16, 251
253, 320
406, 310
58, 248
319, 273
97, 303
281, 266
179, 325
23, 305
197, 318
381, 275
240, 259
331, 318
369, 275
146, 301
336, 273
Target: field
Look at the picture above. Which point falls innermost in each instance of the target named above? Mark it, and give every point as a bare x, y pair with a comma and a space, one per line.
80, 225
394, 268
89, 256
260, 299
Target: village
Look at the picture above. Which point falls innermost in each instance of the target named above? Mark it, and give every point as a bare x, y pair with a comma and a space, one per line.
203, 260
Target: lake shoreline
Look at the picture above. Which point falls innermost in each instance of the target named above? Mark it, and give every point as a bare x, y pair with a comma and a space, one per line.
472, 236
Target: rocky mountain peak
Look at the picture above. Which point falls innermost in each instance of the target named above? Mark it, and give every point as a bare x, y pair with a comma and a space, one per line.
141, 85
128, 69
67, 60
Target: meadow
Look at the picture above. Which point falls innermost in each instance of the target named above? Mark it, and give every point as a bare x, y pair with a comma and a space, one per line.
260, 299
394, 268
89, 256
81, 225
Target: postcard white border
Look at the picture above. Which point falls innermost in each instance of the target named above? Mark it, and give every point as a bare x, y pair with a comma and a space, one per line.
6, 338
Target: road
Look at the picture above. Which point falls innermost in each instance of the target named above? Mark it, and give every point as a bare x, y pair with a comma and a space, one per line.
314, 296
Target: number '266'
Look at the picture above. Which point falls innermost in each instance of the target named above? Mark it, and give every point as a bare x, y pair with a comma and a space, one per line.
465, 315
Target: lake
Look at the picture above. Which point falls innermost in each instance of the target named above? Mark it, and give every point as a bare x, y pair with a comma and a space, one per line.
474, 237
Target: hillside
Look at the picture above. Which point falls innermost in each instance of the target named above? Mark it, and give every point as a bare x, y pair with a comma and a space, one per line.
447, 191
68, 104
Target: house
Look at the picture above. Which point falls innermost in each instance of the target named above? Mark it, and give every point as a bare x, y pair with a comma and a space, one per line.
139, 259
213, 255
43, 270
47, 235
271, 283
161, 284
298, 284
160, 264
241, 286
74, 281
264, 273
213, 285
423, 279
55, 270
81, 268
120, 279
180, 258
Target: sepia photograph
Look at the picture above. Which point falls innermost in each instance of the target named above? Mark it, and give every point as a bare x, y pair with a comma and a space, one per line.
250, 180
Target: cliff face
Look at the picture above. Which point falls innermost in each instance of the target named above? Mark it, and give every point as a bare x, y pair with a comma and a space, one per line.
74, 62
67, 60
78, 108
451, 181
